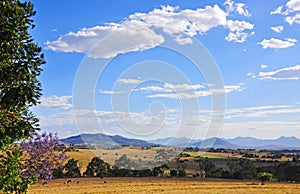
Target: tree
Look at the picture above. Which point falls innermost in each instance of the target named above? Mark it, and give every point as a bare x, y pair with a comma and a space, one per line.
20, 61
264, 176
242, 169
33, 160
181, 173
72, 169
97, 167
173, 172
124, 162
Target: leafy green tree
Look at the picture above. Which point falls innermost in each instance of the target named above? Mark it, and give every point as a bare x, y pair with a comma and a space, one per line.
287, 172
58, 172
157, 171
97, 167
264, 176
10, 174
22, 165
20, 61
173, 172
209, 167
242, 169
124, 162
72, 169
181, 173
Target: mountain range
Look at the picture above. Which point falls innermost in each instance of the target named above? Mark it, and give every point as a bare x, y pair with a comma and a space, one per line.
290, 143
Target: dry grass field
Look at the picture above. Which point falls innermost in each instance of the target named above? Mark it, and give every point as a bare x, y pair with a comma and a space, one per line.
84, 156
161, 185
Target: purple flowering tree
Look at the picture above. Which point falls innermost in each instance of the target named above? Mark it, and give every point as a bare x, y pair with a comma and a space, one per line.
39, 156
35, 159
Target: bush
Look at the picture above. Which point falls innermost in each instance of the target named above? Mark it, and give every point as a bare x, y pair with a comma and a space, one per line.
173, 172
181, 173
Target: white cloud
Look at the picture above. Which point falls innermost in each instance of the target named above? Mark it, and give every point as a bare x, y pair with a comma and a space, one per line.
251, 74
183, 87
277, 29
56, 102
292, 6
110, 92
240, 8
139, 31
199, 93
289, 73
239, 25
239, 37
129, 39
293, 19
129, 81
277, 43
269, 129
278, 11
261, 111
263, 66
229, 4
237, 29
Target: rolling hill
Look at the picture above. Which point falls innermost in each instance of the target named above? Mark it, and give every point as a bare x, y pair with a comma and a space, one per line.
100, 139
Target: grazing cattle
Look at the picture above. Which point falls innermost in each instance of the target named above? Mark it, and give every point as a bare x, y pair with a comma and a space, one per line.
78, 182
104, 182
69, 181
45, 183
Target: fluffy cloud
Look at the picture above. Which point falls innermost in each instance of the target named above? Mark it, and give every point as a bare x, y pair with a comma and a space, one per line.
187, 22
129, 81
263, 66
293, 19
237, 29
65, 124
167, 87
140, 31
129, 39
291, 7
277, 43
278, 10
289, 73
56, 102
196, 94
251, 74
277, 29
261, 111
110, 92
240, 8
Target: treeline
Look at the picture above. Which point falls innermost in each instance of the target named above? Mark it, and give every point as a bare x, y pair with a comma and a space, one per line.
243, 169
246, 169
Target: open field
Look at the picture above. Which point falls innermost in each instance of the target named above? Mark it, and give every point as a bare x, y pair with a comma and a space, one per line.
161, 185
145, 157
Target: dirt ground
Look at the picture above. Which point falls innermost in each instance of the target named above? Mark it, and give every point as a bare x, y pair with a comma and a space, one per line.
160, 185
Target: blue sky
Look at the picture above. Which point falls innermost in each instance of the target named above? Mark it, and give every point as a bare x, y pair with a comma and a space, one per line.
152, 69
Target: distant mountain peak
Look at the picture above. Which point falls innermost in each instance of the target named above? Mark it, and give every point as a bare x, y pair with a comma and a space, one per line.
215, 142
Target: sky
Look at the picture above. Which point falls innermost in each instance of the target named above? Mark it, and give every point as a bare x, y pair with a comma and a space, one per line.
154, 69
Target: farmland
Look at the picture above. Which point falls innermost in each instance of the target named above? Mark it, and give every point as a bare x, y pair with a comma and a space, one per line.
146, 157
161, 185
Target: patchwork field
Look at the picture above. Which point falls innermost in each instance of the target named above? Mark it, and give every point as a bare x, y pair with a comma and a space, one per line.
160, 185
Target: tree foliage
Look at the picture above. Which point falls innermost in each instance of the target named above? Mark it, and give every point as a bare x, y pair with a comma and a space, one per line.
20, 61
72, 169
126, 163
33, 160
264, 176
97, 167
242, 169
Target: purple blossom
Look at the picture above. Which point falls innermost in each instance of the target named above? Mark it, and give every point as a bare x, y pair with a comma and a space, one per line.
39, 156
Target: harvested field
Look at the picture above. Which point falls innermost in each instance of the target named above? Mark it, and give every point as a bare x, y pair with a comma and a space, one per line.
160, 185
